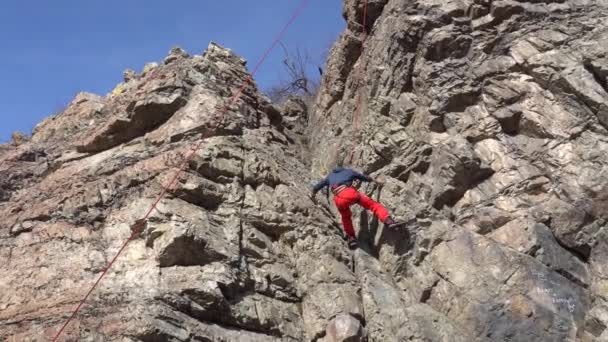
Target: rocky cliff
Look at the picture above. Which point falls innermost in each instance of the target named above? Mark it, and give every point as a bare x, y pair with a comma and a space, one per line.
488, 120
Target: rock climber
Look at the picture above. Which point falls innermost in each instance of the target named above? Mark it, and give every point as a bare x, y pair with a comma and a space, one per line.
340, 182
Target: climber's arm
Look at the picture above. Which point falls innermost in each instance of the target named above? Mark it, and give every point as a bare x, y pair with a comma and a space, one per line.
323, 183
362, 177
367, 178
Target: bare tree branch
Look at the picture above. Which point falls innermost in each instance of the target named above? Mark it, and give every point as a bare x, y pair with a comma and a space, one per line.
299, 80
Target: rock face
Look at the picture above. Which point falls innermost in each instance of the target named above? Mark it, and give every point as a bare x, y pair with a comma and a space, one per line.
488, 120
235, 251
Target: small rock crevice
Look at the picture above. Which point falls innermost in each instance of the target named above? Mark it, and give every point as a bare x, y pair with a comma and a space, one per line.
581, 252
600, 78
427, 293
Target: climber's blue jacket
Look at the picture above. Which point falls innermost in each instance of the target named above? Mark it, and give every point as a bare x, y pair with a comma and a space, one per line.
340, 176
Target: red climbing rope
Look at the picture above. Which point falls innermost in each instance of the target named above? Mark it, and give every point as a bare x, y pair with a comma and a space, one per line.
196, 147
360, 71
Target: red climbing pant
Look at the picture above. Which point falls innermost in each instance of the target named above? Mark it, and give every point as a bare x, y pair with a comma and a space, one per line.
349, 196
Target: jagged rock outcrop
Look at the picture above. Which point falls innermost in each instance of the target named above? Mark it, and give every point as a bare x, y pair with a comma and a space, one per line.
235, 251
487, 119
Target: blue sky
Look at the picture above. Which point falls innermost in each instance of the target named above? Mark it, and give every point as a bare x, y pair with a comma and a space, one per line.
51, 50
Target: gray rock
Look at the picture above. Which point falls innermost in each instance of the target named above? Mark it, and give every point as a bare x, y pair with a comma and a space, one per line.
344, 328
129, 75
175, 54
18, 138
500, 115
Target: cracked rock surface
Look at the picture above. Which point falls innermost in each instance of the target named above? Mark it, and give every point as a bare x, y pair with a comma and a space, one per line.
487, 119
232, 253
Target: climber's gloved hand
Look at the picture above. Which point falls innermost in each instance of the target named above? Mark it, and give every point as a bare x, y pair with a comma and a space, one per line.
313, 197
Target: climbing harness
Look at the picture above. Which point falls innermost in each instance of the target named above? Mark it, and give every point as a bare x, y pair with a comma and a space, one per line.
337, 189
336, 192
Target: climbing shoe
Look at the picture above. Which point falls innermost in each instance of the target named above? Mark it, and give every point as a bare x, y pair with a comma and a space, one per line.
352, 242
392, 224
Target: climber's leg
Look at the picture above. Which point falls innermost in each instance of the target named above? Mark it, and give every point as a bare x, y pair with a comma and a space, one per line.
378, 209
343, 201
347, 221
